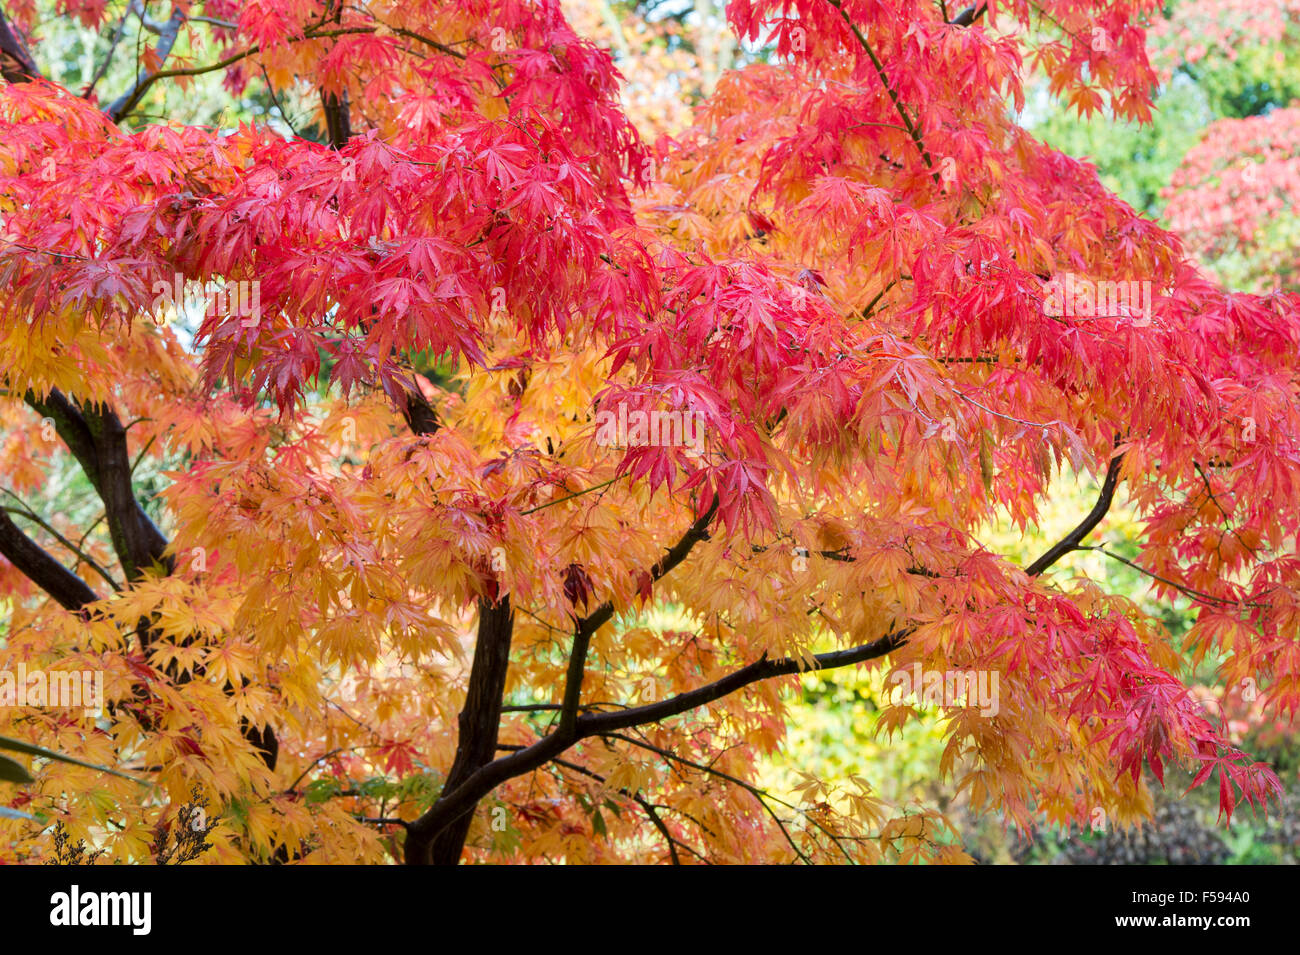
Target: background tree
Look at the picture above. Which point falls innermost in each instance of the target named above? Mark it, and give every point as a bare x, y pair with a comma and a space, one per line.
1216, 161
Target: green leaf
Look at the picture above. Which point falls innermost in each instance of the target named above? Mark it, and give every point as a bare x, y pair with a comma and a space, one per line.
18, 746
12, 771
377, 787
321, 790
239, 809
598, 824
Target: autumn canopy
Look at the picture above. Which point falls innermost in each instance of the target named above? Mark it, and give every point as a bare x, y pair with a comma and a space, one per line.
506, 466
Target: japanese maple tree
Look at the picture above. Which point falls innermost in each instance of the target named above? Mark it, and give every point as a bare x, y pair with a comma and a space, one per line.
520, 465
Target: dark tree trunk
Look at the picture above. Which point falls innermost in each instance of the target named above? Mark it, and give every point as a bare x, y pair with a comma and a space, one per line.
479, 722
16, 64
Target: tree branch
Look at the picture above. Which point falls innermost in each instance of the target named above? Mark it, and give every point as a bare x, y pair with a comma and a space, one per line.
108, 57
156, 27
1071, 540
16, 64
480, 719
912, 129
311, 32
338, 116
419, 414
168, 33
23, 510
1198, 595
651, 810
97, 440
595, 724
461, 800
762, 795
71, 592
968, 16
587, 626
